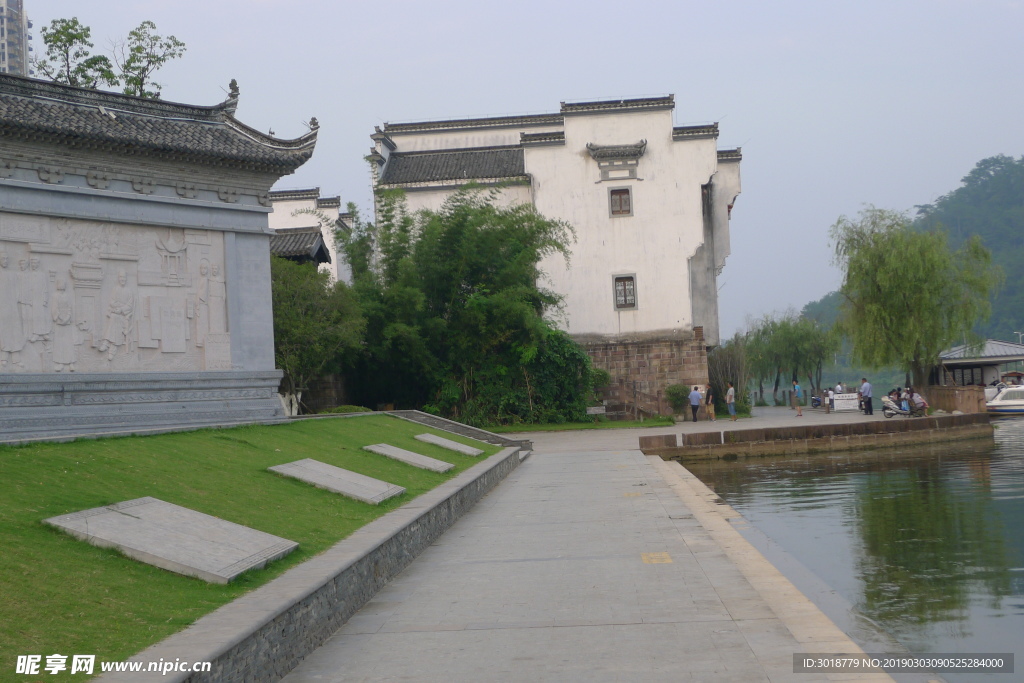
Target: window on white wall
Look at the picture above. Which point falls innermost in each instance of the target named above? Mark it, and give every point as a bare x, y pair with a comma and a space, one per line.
625, 292
621, 201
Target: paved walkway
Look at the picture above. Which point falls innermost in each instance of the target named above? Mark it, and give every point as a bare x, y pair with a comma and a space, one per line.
629, 439
586, 564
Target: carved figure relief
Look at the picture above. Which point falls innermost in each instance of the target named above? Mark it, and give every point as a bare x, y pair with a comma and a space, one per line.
218, 302
12, 337
202, 310
65, 332
86, 296
120, 318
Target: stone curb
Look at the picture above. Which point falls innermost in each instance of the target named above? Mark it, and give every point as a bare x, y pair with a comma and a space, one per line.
264, 634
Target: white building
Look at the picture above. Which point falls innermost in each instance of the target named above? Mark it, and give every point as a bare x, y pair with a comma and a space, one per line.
293, 212
650, 203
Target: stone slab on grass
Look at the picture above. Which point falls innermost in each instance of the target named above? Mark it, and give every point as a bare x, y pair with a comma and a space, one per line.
338, 480
449, 444
408, 457
176, 538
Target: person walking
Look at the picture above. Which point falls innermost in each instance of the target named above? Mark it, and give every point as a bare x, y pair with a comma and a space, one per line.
831, 399
695, 402
709, 403
730, 402
796, 399
824, 399
865, 395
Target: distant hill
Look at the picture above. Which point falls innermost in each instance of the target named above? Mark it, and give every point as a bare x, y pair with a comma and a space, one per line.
989, 203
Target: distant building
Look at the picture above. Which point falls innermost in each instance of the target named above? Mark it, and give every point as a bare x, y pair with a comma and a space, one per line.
14, 38
964, 365
300, 230
650, 203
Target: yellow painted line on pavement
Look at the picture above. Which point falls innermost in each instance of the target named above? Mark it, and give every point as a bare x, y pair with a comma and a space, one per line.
656, 558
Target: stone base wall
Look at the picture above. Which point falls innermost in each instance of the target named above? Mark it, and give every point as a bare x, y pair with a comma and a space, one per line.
743, 443
52, 407
965, 399
642, 369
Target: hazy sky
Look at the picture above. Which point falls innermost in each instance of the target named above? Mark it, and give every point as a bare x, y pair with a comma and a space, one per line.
836, 104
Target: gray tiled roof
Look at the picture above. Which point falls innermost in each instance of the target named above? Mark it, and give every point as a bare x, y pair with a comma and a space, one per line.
992, 349
300, 244
695, 132
527, 120
456, 164
642, 103
81, 118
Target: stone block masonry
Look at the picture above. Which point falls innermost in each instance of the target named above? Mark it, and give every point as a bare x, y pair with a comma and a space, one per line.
822, 438
641, 370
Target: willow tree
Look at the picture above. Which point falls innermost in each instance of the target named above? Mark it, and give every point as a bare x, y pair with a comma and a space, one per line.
906, 295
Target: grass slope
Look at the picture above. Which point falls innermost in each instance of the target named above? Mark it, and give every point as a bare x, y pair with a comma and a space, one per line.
61, 595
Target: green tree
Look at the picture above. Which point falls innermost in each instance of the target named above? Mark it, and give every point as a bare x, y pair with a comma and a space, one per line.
141, 55
455, 316
317, 324
906, 295
68, 59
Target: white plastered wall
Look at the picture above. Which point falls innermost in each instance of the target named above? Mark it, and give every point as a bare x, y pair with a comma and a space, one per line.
653, 244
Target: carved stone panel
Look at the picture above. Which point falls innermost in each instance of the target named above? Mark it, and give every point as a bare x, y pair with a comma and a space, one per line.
86, 296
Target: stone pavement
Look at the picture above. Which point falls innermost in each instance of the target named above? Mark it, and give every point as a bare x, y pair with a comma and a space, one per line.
629, 439
589, 564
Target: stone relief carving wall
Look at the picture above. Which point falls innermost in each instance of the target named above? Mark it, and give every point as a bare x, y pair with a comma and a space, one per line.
85, 296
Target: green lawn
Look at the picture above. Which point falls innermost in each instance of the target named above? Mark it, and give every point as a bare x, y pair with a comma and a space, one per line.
567, 426
61, 595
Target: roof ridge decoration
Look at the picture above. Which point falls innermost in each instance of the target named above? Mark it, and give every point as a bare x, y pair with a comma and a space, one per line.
695, 132
462, 124
730, 154
555, 137
618, 106
609, 152
282, 195
453, 150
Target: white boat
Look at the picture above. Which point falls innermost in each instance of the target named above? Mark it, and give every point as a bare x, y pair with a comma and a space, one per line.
1009, 401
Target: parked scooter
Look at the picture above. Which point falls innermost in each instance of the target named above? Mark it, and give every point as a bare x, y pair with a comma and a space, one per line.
890, 409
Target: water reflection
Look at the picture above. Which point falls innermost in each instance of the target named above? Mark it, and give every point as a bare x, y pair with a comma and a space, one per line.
924, 541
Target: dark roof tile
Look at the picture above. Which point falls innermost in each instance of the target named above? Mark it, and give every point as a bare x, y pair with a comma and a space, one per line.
456, 164
300, 244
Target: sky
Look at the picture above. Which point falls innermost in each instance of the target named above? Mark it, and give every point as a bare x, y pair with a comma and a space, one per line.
837, 105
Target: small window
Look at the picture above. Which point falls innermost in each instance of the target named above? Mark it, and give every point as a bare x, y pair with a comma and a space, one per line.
625, 292
621, 202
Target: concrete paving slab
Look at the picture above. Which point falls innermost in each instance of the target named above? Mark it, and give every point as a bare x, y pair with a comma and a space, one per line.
338, 480
409, 457
449, 444
545, 579
175, 538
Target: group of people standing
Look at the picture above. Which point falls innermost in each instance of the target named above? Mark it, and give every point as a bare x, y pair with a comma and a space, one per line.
828, 396
707, 399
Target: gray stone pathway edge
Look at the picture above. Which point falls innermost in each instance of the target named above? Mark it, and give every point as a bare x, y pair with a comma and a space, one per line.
264, 634
809, 626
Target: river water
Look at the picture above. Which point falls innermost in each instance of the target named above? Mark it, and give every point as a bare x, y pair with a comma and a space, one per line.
919, 549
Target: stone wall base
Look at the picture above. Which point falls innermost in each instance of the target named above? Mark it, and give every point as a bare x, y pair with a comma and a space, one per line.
53, 407
641, 370
746, 443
